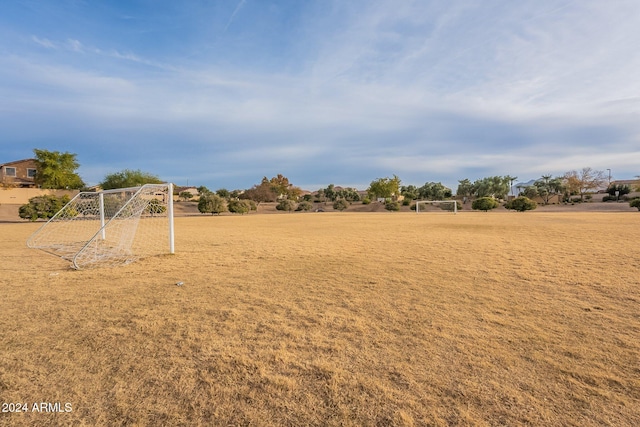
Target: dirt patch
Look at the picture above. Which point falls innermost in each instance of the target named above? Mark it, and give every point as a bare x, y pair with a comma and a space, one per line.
9, 213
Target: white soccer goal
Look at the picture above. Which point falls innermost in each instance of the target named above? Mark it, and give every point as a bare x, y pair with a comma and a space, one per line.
437, 203
110, 228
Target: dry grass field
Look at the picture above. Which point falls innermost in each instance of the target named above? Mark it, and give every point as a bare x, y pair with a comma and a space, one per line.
329, 319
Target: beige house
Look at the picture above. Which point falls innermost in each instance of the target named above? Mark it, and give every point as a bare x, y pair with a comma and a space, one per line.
19, 173
193, 190
632, 183
17, 185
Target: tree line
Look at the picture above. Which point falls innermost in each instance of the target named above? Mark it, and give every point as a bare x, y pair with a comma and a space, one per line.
57, 170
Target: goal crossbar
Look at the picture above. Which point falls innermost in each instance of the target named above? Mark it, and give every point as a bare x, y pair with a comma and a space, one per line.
425, 202
110, 227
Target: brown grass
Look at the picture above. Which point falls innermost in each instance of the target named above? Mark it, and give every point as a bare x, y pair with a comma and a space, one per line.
335, 319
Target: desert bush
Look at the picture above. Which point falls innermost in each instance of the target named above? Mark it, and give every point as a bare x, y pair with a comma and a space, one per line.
185, 195
622, 189
521, 204
392, 206
44, 207
340, 205
635, 203
484, 204
211, 203
406, 202
239, 206
366, 201
305, 206
286, 205
155, 207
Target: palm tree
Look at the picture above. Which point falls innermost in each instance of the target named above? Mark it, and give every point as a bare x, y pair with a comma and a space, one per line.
511, 180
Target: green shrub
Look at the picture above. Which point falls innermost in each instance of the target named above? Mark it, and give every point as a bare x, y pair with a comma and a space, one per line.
305, 206
366, 201
185, 195
521, 204
286, 205
211, 203
340, 205
484, 204
155, 207
239, 206
392, 206
622, 189
44, 207
635, 203
406, 201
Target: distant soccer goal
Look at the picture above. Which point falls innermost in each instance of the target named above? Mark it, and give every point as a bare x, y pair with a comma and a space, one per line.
449, 205
110, 228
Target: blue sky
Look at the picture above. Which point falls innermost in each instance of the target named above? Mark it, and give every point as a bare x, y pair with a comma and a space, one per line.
223, 92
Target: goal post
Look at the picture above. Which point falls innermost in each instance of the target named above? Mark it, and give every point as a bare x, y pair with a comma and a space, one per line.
111, 227
437, 202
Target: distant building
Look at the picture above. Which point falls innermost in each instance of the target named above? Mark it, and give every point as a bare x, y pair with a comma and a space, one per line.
630, 182
19, 173
193, 190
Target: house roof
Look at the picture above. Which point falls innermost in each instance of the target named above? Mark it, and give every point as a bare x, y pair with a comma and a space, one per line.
16, 162
626, 182
191, 189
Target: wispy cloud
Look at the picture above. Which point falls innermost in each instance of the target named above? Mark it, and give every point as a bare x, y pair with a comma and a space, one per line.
44, 42
75, 45
235, 12
427, 90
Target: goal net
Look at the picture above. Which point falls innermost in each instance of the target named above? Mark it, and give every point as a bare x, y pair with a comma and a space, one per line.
437, 205
110, 228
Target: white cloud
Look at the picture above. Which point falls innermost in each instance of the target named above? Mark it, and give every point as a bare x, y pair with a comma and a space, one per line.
527, 56
423, 87
44, 42
75, 45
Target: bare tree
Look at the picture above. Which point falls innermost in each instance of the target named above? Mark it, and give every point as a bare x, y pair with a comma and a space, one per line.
583, 181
